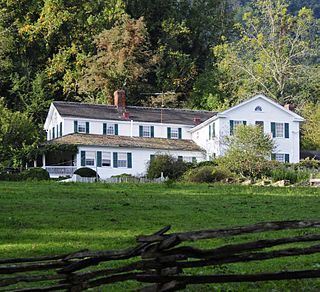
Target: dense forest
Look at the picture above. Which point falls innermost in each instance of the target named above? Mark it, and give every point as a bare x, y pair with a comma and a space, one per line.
204, 54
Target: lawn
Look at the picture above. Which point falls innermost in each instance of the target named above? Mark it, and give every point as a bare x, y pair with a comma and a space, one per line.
50, 218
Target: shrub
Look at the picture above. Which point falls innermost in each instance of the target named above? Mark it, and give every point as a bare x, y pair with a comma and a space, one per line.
284, 174
170, 167
201, 174
37, 173
86, 172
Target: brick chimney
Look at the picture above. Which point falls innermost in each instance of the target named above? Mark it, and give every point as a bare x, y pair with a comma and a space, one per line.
120, 98
126, 115
196, 120
289, 107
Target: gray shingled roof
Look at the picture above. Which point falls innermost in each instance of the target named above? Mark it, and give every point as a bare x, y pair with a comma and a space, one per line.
136, 113
125, 141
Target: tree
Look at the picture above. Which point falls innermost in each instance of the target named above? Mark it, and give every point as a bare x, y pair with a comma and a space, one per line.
273, 53
123, 58
18, 135
310, 129
247, 151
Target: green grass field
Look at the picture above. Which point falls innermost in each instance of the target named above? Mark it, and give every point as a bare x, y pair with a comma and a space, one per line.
49, 218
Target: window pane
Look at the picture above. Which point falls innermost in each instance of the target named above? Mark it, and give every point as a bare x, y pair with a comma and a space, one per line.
110, 129
122, 159
174, 133
280, 157
81, 127
146, 131
106, 159
279, 129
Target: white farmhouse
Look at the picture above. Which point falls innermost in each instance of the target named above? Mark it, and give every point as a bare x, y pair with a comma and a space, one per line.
122, 139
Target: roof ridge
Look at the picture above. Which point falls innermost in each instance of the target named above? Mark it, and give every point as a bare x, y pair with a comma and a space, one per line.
135, 106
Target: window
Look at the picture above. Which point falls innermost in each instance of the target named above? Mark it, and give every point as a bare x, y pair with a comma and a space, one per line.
174, 133
146, 131
282, 157
258, 109
81, 127
106, 159
189, 159
122, 159
280, 130
279, 157
89, 158
110, 129
260, 124
213, 133
234, 124
49, 135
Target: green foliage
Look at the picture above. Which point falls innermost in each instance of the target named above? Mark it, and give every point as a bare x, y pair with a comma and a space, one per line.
37, 174
170, 167
247, 151
18, 136
86, 172
289, 174
208, 174
123, 58
309, 164
310, 129
273, 54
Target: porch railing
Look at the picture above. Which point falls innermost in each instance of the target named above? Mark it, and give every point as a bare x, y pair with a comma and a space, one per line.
61, 170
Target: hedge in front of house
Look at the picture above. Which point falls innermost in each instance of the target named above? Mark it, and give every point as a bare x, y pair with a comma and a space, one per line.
36, 173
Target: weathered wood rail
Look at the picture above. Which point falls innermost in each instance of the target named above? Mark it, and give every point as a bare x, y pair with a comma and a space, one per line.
160, 261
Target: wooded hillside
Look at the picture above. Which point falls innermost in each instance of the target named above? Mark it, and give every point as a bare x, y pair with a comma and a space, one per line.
209, 54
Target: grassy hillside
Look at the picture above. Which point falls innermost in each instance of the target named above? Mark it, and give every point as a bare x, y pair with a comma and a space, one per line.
48, 218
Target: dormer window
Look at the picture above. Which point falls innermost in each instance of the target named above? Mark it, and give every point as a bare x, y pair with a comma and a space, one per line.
258, 109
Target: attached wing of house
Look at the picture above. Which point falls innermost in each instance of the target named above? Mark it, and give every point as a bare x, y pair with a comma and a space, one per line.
122, 139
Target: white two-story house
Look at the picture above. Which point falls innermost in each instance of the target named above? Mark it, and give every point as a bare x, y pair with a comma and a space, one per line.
119, 139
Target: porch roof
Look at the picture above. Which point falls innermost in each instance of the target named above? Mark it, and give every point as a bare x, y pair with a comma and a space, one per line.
125, 141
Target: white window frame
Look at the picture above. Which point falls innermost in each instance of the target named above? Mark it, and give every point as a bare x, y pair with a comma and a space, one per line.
174, 133
279, 130
146, 131
105, 157
122, 160
90, 158
111, 129
82, 127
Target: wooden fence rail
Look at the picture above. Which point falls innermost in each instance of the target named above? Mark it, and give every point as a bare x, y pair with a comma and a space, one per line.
160, 260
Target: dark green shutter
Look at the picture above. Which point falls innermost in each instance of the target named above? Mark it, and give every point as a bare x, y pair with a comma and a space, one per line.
104, 130
286, 158
140, 131
83, 158
273, 129
57, 128
231, 127
273, 156
116, 129
129, 159
180, 158
286, 130
115, 159
244, 122
99, 158
213, 134
152, 156
61, 129
53, 133
180, 133
75, 126
152, 131
169, 133
209, 132
87, 127
194, 160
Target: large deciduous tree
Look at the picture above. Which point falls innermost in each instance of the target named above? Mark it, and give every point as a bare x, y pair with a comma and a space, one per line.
273, 53
311, 127
123, 59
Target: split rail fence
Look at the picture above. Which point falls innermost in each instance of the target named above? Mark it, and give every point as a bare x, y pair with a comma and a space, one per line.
164, 261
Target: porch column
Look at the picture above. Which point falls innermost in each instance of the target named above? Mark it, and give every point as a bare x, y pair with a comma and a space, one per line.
43, 161
35, 163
